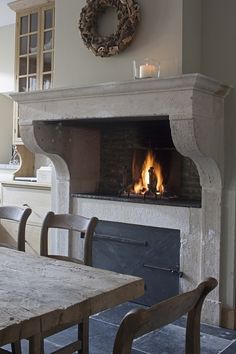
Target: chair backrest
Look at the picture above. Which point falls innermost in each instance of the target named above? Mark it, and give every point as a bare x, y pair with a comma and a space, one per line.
141, 321
69, 222
19, 215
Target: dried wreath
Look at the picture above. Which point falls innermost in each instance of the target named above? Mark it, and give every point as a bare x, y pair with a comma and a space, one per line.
128, 15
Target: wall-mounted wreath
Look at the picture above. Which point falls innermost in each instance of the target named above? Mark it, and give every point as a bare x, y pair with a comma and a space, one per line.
128, 15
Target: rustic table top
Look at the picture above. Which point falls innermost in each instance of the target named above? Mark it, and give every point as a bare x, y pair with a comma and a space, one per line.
38, 294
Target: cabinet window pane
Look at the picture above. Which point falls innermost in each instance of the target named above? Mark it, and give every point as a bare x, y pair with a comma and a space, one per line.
47, 62
32, 83
23, 45
34, 22
32, 64
24, 24
23, 66
22, 84
48, 19
33, 43
47, 81
47, 40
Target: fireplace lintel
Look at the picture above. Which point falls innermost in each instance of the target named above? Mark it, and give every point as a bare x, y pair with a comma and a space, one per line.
183, 82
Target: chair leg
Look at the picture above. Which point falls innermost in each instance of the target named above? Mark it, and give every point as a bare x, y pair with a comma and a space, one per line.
36, 345
16, 348
83, 335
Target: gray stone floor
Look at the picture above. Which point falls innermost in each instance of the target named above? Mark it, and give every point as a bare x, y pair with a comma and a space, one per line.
168, 340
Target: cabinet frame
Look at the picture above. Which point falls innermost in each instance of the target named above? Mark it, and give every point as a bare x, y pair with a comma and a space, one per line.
40, 10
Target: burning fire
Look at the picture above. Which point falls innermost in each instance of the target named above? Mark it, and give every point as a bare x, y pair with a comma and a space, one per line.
151, 173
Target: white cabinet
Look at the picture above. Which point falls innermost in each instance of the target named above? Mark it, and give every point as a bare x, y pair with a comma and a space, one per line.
38, 198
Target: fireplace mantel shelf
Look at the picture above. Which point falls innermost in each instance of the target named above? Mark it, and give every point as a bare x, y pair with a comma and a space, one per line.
183, 82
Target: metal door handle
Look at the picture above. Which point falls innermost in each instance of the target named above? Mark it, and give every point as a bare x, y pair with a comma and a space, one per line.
121, 240
165, 269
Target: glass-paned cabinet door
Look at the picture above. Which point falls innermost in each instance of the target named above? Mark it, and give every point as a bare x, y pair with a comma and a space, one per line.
48, 48
28, 51
35, 33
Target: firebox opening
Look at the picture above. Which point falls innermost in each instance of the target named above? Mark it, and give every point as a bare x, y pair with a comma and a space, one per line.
139, 161
127, 159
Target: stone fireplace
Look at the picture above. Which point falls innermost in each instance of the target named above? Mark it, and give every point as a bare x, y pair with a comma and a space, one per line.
55, 123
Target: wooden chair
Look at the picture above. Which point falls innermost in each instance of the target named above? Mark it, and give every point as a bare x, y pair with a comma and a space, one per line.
69, 222
86, 227
141, 321
4, 351
19, 215
16, 349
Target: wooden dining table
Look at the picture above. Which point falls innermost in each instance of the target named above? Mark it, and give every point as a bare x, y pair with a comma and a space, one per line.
38, 294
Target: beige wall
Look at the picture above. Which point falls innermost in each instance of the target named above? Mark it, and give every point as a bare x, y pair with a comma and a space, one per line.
192, 36
6, 115
7, 58
218, 61
159, 36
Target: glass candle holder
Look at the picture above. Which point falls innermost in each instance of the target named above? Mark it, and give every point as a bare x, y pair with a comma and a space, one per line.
147, 68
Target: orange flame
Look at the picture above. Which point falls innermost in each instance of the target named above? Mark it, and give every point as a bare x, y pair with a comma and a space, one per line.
142, 185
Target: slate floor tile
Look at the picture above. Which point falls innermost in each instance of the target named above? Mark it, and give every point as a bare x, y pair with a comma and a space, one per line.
63, 338
116, 314
101, 337
219, 332
212, 330
231, 349
171, 339
49, 347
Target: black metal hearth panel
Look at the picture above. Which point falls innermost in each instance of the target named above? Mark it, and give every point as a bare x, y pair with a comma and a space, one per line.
149, 252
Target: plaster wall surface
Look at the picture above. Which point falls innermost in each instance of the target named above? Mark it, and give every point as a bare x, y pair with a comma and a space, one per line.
159, 36
218, 61
192, 36
6, 114
7, 58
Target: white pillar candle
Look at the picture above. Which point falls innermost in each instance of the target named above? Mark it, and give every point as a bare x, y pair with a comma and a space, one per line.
147, 70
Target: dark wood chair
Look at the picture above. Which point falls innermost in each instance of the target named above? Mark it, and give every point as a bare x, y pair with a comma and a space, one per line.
4, 351
86, 228
16, 349
141, 321
19, 215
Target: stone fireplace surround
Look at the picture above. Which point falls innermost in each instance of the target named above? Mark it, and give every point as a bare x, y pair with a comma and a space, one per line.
195, 107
